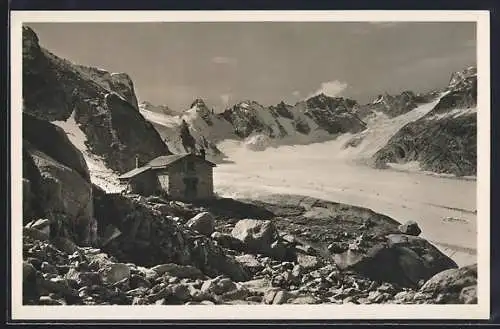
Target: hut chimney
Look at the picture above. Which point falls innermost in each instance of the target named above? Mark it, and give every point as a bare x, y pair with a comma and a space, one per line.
137, 160
202, 153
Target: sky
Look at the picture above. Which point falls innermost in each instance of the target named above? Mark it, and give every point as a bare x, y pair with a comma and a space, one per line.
224, 63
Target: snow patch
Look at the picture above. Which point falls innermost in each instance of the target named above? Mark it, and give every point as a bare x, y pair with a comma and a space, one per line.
455, 113
380, 128
100, 174
410, 166
257, 142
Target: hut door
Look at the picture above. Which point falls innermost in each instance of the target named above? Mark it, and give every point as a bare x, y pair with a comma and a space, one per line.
191, 187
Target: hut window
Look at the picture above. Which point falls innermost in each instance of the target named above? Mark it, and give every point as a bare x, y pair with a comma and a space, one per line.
190, 165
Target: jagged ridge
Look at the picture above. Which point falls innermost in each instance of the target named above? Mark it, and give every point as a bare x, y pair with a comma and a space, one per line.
444, 140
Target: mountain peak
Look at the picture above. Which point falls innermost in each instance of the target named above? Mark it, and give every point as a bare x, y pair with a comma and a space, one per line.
326, 102
163, 109
31, 44
460, 76
199, 103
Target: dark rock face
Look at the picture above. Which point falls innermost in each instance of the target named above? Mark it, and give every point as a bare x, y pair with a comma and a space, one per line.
462, 92
59, 181
203, 111
301, 126
394, 105
443, 146
404, 259
52, 140
334, 115
282, 110
440, 141
120, 83
245, 120
188, 141
53, 89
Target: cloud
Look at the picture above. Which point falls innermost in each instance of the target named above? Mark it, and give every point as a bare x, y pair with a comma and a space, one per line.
225, 99
331, 88
296, 93
224, 60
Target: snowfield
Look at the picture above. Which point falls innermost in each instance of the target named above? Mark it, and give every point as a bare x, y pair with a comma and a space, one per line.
440, 205
331, 171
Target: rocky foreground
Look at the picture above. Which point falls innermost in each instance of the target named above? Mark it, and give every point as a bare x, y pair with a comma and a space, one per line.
289, 250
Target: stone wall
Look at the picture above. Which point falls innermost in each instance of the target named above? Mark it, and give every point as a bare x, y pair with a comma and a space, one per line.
145, 183
202, 171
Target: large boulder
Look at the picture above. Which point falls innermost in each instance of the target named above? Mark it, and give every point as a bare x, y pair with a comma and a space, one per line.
402, 259
203, 223
227, 241
114, 272
458, 286
257, 235
411, 228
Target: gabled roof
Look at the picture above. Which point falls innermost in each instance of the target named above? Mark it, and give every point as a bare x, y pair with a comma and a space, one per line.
166, 160
161, 162
134, 172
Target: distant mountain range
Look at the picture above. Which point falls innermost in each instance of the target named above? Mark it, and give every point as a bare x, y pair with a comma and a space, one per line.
442, 139
116, 127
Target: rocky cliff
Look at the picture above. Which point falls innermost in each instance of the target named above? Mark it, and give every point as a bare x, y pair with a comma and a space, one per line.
103, 105
56, 181
444, 140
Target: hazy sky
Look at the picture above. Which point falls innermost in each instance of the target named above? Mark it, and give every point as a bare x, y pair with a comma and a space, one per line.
174, 63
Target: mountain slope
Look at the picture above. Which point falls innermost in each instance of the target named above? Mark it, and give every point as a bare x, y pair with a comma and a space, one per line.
161, 109
444, 140
103, 106
396, 105
193, 129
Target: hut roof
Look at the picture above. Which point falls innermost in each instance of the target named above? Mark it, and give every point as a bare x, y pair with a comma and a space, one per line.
161, 162
134, 172
167, 160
